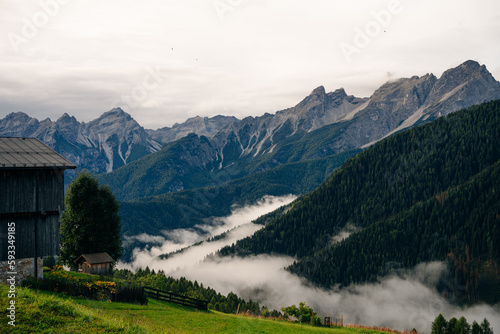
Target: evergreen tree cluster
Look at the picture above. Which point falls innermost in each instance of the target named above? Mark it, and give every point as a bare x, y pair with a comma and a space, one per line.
182, 286
430, 193
456, 225
460, 326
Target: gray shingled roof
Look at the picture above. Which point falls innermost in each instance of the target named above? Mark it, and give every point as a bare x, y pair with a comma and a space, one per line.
29, 153
96, 258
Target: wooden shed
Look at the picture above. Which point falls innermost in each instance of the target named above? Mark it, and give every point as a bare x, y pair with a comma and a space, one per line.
97, 263
31, 198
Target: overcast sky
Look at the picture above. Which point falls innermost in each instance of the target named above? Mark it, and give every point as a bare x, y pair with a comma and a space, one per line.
164, 61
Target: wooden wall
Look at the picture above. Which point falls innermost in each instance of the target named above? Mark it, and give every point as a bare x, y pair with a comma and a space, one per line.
100, 268
96, 269
24, 190
28, 197
47, 236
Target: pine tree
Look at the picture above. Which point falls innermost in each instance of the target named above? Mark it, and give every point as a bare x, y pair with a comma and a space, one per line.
476, 329
439, 325
485, 326
462, 327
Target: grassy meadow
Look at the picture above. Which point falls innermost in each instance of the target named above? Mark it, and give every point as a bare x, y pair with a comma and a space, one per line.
46, 312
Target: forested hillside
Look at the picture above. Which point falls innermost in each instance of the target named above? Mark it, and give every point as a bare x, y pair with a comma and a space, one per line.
461, 225
188, 208
390, 190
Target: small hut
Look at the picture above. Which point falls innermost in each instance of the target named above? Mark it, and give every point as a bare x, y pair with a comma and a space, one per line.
97, 263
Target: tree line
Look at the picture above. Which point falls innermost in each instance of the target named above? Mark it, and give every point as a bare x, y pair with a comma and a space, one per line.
216, 301
460, 326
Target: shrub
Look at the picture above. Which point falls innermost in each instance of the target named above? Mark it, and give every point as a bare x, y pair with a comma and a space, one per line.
60, 281
49, 262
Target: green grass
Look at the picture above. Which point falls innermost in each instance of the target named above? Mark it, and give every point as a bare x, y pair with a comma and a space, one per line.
45, 312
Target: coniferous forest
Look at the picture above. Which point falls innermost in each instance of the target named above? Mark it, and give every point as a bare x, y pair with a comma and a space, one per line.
430, 193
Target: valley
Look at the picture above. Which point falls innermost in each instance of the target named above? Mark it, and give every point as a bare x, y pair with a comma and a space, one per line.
340, 201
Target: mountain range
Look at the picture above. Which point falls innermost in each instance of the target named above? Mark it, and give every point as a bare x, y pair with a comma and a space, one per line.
204, 155
101, 146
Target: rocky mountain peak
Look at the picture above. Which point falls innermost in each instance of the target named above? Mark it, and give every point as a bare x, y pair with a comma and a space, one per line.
317, 96
66, 120
338, 96
319, 91
101, 145
470, 64
17, 124
116, 114
113, 121
465, 72
202, 126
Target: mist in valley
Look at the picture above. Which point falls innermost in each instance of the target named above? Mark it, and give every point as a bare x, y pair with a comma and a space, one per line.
404, 301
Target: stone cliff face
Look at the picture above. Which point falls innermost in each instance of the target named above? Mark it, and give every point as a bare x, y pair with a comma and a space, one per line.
393, 107
408, 102
111, 141
260, 135
202, 126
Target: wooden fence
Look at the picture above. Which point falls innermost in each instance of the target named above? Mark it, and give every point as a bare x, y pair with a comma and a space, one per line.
175, 298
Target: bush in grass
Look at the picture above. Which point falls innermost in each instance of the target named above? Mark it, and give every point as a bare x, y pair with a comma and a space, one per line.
49, 262
130, 293
305, 314
61, 281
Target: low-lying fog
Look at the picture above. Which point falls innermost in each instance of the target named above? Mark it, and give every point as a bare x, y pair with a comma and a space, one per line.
401, 302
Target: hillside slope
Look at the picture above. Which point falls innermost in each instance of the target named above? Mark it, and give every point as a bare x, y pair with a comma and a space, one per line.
461, 225
187, 208
42, 312
384, 181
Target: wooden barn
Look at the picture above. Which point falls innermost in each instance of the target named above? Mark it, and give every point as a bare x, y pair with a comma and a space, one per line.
31, 198
97, 263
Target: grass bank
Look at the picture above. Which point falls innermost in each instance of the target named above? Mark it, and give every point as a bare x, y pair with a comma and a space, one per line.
45, 312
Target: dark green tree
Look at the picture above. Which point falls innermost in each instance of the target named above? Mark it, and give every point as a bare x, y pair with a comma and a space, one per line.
485, 326
90, 222
476, 329
462, 326
439, 325
450, 329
